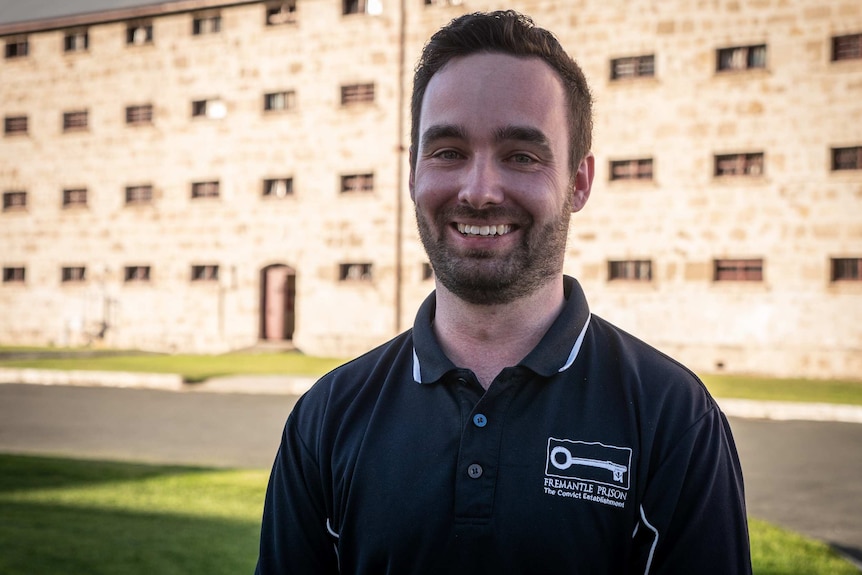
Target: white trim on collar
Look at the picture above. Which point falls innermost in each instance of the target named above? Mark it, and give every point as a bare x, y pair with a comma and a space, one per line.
577, 347
417, 373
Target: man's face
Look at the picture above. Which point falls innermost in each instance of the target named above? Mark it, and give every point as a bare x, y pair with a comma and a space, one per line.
492, 185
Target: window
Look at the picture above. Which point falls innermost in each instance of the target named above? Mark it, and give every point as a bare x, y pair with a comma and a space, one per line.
847, 158
846, 269
139, 194
281, 13
354, 272
443, 2
739, 164
357, 183
14, 275
632, 270
17, 47
207, 273
847, 47
74, 197
76, 41
206, 24
73, 274
633, 67
427, 271
139, 33
631, 169
748, 270
278, 101
139, 115
278, 187
75, 120
14, 201
373, 7
137, 274
741, 58
356, 94
205, 189
13, 125
214, 109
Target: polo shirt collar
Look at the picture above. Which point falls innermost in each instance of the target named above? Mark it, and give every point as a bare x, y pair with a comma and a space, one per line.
556, 352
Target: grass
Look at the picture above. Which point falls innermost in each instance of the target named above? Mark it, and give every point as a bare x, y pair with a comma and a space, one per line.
65, 517
193, 368
196, 368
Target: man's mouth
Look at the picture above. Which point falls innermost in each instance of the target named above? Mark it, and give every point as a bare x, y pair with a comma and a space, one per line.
496, 230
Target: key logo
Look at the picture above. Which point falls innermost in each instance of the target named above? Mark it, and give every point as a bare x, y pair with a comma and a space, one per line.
589, 461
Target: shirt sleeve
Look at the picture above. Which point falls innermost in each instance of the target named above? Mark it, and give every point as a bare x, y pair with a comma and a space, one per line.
295, 534
692, 517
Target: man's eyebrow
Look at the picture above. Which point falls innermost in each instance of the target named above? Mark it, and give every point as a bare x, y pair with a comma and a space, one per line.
524, 134
441, 131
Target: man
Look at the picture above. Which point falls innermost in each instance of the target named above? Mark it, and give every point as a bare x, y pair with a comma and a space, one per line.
509, 431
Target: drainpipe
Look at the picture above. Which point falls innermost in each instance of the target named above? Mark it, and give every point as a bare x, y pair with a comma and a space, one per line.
399, 187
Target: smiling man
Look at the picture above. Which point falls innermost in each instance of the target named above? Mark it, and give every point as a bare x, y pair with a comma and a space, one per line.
510, 431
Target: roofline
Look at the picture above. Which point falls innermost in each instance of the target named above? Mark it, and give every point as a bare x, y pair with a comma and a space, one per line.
119, 14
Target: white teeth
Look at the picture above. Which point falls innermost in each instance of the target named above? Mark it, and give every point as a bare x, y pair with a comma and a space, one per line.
496, 230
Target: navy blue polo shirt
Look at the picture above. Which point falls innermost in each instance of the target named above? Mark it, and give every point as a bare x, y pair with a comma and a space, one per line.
595, 454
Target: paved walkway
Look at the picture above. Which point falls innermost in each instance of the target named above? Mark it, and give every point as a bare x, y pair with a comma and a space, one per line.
295, 385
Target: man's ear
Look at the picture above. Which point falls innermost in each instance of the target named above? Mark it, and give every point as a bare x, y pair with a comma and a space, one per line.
583, 182
412, 180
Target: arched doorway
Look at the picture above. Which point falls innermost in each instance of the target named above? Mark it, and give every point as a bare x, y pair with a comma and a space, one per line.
277, 305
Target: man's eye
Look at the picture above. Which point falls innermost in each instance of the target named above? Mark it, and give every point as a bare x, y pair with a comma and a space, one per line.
447, 155
522, 159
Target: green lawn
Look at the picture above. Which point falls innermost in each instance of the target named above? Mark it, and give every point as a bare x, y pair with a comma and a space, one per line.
195, 368
67, 517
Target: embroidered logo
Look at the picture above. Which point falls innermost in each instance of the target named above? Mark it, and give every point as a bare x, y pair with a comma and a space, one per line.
588, 470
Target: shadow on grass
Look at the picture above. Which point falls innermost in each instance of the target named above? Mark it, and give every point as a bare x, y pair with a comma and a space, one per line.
39, 538
25, 472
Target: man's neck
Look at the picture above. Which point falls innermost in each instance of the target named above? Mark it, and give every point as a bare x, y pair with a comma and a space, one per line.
488, 338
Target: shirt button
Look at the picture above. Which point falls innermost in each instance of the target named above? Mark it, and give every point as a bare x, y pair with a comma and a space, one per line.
479, 420
475, 471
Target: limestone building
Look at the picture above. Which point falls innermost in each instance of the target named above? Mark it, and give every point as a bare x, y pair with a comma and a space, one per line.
200, 175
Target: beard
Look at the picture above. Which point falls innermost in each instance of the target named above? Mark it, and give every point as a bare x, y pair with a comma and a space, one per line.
487, 277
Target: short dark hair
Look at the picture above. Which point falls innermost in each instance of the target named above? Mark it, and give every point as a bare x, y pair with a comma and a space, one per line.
507, 32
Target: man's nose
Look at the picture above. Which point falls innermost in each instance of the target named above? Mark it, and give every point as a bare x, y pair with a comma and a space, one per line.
482, 184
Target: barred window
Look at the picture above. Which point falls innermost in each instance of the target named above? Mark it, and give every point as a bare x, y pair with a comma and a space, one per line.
213, 108
73, 274
633, 67
847, 158
139, 33
631, 169
362, 6
357, 94
278, 187
741, 58
136, 274
632, 270
76, 40
75, 120
17, 47
15, 125
278, 13
357, 183
847, 47
750, 270
846, 269
14, 201
205, 189
749, 164
206, 24
14, 274
204, 273
74, 197
138, 115
142, 194
354, 272
278, 101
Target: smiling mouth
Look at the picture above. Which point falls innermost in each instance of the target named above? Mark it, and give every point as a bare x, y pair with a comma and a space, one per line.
484, 231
